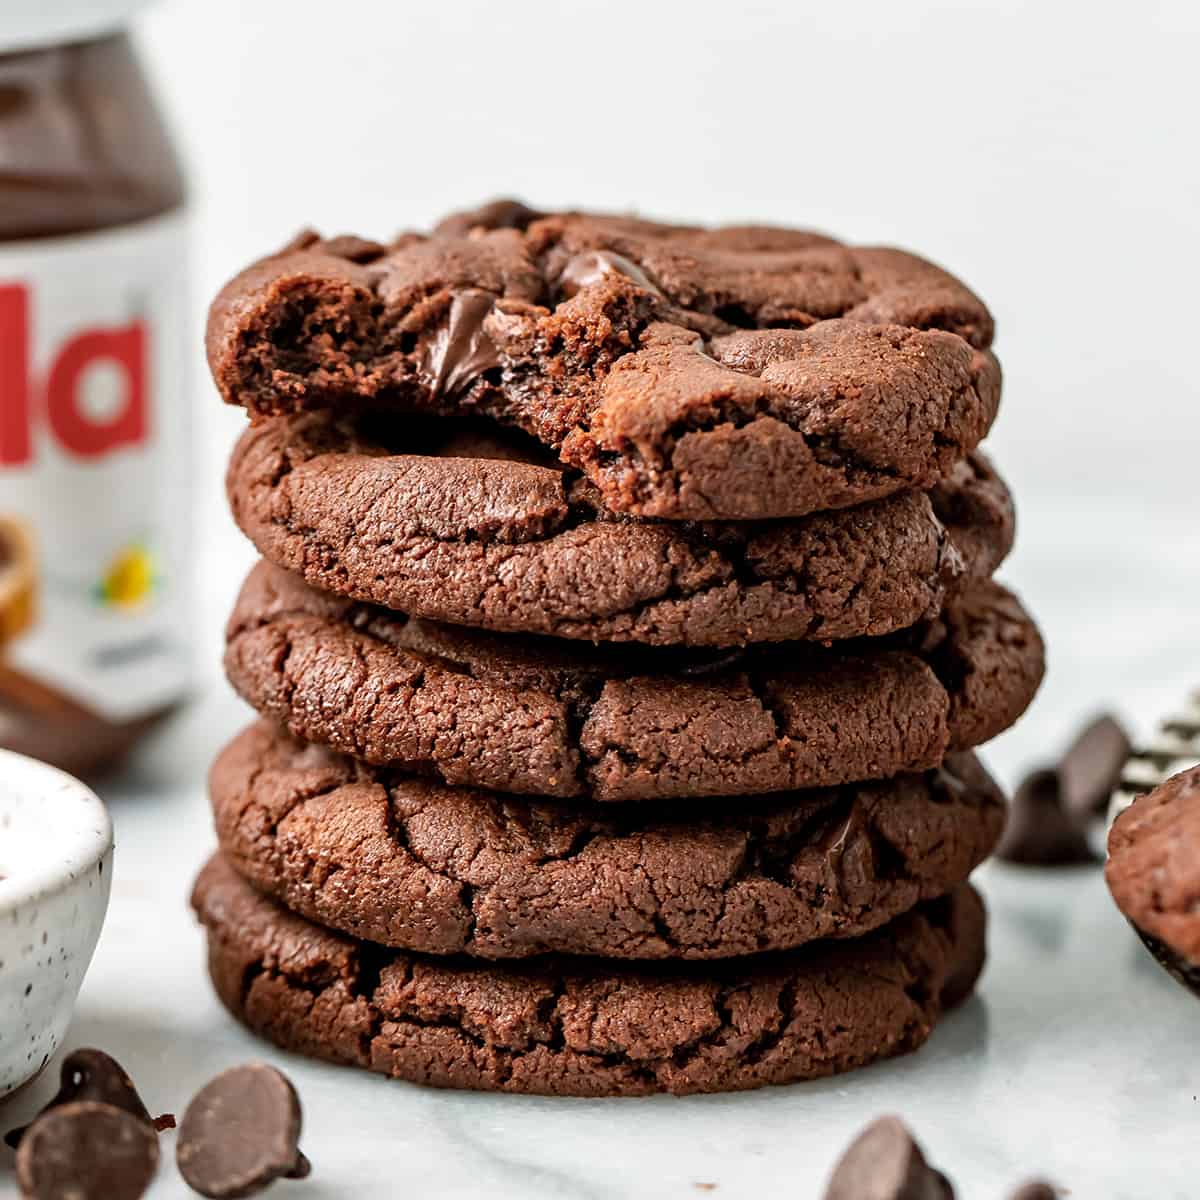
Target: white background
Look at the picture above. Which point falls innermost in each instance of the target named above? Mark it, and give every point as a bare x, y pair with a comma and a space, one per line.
1046, 153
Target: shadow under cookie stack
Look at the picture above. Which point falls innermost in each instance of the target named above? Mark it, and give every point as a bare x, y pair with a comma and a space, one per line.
623, 633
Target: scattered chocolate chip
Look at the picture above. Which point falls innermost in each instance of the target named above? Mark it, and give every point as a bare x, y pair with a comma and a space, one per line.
885, 1163
240, 1133
1091, 768
85, 1150
1040, 831
1053, 807
88, 1074
1037, 1189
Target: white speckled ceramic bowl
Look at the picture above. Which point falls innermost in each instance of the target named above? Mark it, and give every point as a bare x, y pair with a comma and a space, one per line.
55, 872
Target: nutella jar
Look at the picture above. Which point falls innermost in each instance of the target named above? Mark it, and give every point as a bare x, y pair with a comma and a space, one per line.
93, 484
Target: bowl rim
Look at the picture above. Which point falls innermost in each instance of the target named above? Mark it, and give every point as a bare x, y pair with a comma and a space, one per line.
90, 843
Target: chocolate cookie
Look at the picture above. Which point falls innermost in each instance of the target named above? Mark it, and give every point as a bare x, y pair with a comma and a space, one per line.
1153, 872
705, 374
587, 1027
477, 528
412, 863
547, 718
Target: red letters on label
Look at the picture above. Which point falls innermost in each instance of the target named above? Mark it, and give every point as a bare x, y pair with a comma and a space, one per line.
59, 401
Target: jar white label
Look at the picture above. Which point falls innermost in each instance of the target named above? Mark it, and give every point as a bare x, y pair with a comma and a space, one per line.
94, 516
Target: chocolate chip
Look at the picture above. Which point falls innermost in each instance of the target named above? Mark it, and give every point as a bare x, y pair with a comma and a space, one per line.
1053, 807
464, 350
84, 1150
1035, 1190
240, 1133
885, 1163
1091, 768
1040, 831
590, 267
88, 1074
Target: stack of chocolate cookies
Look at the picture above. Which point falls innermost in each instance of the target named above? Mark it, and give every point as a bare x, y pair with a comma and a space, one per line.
624, 630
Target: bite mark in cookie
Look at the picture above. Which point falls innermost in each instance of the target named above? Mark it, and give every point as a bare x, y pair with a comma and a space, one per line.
711, 374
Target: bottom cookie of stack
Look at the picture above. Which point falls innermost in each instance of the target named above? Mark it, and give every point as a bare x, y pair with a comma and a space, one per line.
588, 1027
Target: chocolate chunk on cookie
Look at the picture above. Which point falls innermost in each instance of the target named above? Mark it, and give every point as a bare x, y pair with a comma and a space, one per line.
1153, 872
475, 527
412, 863
585, 1027
711, 374
546, 718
